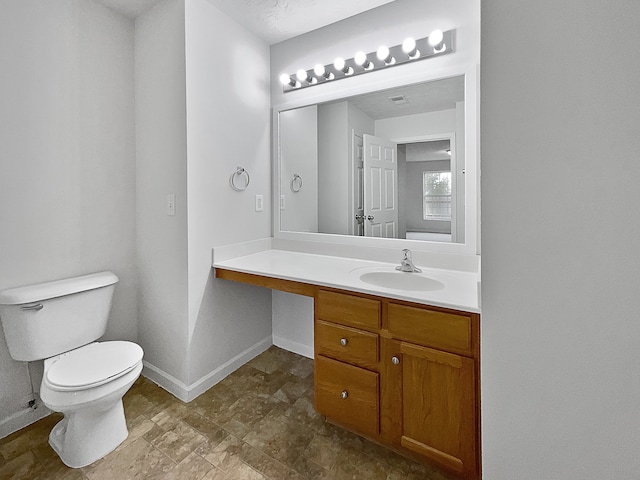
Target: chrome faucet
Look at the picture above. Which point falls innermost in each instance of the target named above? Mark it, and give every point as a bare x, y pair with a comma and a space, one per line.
406, 265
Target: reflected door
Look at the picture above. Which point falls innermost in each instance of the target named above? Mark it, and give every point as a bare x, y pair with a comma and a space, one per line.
358, 185
380, 187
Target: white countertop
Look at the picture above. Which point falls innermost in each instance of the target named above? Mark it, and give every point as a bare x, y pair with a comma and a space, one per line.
459, 290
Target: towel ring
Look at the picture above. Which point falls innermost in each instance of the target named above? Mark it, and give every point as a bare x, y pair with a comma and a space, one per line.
296, 183
240, 172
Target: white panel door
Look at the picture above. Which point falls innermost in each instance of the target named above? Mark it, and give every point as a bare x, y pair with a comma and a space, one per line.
380, 187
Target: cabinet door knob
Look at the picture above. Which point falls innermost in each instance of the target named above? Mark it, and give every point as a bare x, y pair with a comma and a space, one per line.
344, 395
343, 342
395, 360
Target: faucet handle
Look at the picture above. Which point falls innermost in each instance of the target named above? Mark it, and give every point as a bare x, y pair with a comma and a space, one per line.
406, 254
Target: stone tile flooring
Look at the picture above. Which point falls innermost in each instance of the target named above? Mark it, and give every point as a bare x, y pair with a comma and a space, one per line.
258, 423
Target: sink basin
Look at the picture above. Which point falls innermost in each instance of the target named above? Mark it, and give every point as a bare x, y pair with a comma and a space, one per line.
401, 280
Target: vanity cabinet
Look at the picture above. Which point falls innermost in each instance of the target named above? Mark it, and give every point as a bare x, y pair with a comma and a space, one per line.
401, 374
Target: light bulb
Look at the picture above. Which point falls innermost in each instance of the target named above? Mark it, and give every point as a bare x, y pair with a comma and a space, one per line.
320, 71
409, 47
340, 65
436, 40
303, 76
285, 79
384, 55
362, 61
360, 58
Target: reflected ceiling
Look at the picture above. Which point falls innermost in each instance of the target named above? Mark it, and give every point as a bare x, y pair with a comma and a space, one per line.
419, 98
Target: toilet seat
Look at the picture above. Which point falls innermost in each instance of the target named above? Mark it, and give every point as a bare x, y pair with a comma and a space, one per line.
93, 365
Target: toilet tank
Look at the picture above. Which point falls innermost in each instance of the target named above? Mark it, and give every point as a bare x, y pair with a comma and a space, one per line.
47, 319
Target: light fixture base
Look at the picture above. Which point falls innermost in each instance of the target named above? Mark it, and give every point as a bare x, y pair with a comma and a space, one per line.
351, 69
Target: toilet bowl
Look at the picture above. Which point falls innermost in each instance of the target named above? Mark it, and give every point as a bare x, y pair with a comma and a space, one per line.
87, 385
59, 322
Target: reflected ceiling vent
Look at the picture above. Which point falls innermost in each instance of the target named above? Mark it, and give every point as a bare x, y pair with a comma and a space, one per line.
399, 99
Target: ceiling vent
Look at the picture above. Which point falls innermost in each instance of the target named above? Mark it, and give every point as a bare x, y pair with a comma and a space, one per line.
399, 99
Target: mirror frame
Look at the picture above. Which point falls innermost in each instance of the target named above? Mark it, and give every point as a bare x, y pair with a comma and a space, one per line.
317, 95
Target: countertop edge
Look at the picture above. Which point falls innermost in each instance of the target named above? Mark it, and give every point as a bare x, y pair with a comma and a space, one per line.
232, 264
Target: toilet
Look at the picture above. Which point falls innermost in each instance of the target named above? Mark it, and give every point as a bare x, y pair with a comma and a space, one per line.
59, 322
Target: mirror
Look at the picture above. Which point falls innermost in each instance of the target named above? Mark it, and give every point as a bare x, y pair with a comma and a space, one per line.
395, 163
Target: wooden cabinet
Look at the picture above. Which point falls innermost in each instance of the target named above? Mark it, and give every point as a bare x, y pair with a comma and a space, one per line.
431, 405
347, 394
404, 375
346, 343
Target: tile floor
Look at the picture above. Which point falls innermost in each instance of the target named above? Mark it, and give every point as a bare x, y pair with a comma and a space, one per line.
258, 423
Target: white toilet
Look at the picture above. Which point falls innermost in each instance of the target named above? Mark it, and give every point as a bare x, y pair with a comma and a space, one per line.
85, 380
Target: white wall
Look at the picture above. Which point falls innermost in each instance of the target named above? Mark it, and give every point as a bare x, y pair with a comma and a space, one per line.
202, 111
333, 168
161, 168
420, 124
560, 266
391, 24
299, 134
67, 171
337, 123
228, 120
293, 329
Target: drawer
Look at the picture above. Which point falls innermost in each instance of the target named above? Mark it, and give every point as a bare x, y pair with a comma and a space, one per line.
347, 395
430, 328
346, 344
348, 309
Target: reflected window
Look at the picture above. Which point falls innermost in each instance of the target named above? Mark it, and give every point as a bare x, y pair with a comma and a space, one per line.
436, 187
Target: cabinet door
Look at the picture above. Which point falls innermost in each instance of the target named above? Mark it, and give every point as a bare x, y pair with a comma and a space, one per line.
438, 407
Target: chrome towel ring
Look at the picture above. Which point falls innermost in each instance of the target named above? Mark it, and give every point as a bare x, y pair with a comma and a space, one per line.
296, 183
241, 176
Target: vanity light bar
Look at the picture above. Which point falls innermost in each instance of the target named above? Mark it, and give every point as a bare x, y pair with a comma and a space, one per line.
436, 44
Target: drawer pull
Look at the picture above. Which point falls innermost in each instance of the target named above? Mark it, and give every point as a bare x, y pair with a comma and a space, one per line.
395, 360
343, 342
344, 395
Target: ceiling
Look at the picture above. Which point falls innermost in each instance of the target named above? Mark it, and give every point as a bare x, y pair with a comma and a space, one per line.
419, 98
272, 20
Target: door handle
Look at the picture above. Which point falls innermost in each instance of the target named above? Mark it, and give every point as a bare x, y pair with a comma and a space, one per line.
370, 218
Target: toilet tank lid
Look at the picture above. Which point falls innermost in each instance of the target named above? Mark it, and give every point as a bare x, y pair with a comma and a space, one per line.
57, 288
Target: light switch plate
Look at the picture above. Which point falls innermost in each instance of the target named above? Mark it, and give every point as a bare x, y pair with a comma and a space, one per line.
259, 203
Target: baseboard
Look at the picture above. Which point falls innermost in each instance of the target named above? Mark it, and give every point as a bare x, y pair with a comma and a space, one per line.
186, 393
295, 347
167, 381
21, 419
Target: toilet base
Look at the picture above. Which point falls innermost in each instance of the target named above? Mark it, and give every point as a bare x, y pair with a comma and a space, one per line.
84, 436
